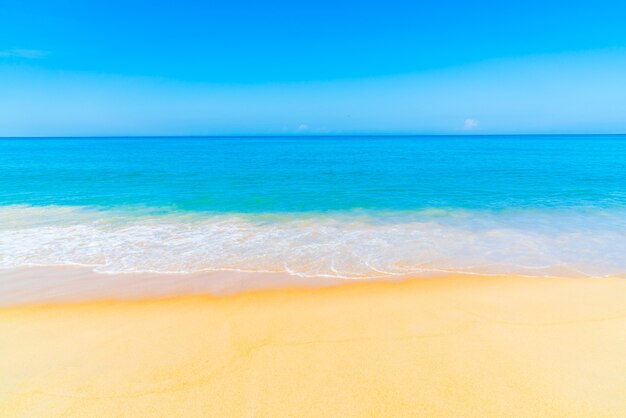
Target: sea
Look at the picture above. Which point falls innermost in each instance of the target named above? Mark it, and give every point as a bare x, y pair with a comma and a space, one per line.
348, 207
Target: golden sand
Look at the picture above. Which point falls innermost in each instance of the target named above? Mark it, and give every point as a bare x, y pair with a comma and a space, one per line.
430, 347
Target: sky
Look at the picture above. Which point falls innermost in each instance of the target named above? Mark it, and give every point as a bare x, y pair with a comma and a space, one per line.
100, 68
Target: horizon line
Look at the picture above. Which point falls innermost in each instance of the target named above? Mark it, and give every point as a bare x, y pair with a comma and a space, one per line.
466, 135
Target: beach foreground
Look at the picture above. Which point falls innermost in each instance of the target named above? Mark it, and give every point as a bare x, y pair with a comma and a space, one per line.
456, 346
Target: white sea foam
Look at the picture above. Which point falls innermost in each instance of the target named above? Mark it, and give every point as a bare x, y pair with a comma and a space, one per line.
578, 242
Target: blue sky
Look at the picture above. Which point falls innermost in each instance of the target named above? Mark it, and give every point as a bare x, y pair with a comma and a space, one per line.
278, 67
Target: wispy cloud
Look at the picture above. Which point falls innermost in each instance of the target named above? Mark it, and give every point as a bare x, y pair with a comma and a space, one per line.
303, 127
23, 53
470, 124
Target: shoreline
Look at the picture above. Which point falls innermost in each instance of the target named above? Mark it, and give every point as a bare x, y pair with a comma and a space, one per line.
41, 285
450, 346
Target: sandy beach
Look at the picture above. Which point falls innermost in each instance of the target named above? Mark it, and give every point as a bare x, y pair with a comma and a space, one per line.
454, 346
219, 209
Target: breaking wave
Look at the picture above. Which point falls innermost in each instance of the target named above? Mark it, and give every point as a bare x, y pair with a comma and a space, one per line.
353, 244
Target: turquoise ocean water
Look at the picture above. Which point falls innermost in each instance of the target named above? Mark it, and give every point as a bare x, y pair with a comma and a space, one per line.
332, 206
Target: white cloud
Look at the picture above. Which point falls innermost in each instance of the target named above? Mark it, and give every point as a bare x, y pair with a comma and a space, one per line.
303, 127
470, 124
22, 53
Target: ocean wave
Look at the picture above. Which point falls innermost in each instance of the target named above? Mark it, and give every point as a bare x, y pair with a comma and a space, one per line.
576, 242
